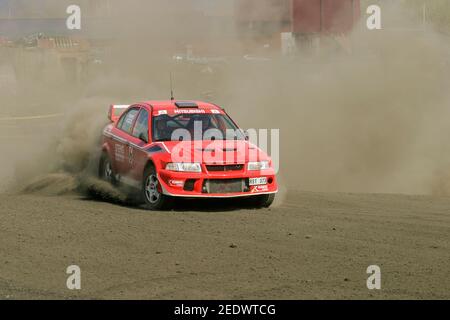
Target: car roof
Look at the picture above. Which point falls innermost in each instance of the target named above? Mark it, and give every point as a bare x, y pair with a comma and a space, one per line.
171, 104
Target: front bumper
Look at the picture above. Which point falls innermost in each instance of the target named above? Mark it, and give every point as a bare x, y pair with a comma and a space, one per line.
197, 185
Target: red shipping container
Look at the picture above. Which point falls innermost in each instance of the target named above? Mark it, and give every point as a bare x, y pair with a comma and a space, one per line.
324, 16
306, 16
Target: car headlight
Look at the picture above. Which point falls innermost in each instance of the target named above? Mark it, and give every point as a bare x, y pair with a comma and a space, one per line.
184, 167
258, 166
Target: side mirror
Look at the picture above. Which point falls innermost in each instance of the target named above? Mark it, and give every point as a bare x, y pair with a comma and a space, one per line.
246, 135
143, 137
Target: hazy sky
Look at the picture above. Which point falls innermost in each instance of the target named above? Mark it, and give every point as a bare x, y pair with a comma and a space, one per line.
37, 7
216, 5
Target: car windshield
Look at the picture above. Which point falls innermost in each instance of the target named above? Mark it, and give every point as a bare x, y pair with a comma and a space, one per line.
188, 127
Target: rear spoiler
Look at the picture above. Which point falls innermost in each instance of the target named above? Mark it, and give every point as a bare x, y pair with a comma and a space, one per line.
115, 111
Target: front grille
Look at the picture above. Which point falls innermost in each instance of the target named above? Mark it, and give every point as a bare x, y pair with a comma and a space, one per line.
222, 168
225, 186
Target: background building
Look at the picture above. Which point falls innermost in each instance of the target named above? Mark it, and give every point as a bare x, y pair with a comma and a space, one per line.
264, 20
225, 26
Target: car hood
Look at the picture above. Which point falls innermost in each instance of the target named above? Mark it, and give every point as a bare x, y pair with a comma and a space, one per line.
214, 152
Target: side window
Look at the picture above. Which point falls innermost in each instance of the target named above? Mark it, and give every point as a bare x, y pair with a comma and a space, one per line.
127, 120
141, 127
120, 123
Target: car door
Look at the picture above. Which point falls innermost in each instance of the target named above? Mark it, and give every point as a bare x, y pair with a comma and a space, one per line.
122, 134
139, 139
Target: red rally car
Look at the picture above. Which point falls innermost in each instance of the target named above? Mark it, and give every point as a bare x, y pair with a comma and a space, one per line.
188, 149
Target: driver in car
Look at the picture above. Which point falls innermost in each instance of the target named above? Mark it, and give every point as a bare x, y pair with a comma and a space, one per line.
162, 132
199, 121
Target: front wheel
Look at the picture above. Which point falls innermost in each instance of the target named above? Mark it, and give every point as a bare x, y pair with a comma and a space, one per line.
152, 192
263, 201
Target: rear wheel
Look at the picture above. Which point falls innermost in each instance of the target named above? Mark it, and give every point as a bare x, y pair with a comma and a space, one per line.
263, 201
106, 171
152, 194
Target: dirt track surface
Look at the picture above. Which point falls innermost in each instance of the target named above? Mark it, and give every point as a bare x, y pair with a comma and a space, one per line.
314, 246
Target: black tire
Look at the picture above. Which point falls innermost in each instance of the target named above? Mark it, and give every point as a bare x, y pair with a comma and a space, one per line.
151, 191
263, 201
105, 170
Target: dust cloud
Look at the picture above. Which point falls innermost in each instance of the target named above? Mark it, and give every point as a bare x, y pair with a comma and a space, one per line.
372, 117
